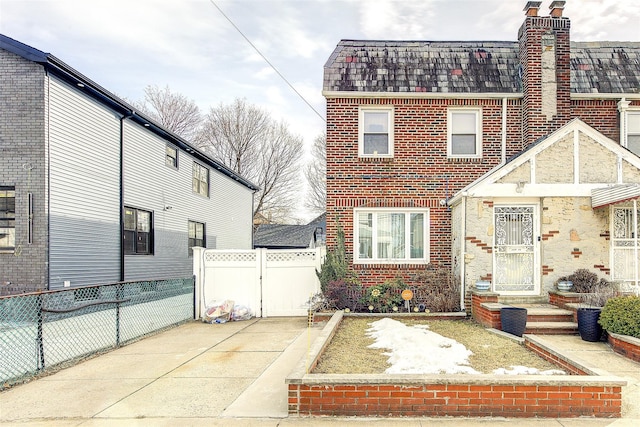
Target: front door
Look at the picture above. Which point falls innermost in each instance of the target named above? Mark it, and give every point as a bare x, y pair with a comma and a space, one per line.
515, 250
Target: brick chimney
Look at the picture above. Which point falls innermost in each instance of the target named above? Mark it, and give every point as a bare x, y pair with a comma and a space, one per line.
545, 60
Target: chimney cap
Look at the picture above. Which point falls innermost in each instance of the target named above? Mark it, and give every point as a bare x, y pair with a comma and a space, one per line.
532, 8
556, 8
532, 5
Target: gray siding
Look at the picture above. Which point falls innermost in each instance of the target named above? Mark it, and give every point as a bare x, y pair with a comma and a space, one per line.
84, 195
151, 185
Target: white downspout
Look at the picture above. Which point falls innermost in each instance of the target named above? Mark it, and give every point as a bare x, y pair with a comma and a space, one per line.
504, 131
463, 253
635, 246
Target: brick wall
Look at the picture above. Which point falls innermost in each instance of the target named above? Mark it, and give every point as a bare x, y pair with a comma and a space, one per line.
625, 345
545, 80
419, 175
23, 165
489, 398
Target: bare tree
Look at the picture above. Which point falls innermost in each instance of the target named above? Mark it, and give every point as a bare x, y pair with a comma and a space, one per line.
247, 140
173, 111
316, 173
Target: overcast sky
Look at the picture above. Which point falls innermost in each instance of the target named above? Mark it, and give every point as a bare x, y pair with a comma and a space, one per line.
189, 45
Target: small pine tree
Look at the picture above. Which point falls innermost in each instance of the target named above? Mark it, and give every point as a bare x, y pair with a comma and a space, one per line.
335, 265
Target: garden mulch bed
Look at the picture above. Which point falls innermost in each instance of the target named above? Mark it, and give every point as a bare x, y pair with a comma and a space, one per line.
348, 351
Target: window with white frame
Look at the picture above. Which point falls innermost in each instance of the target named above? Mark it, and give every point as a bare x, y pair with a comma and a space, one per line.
391, 236
7, 219
633, 131
464, 132
375, 132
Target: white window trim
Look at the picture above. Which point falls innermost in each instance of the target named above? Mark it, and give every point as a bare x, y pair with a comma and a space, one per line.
478, 113
361, 112
356, 237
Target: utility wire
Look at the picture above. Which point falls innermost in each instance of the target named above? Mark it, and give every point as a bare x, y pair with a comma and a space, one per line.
267, 61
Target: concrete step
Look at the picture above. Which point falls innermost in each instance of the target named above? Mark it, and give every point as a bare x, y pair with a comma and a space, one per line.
547, 313
552, 328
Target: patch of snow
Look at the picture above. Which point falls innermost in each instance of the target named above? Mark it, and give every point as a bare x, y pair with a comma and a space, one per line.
417, 350
523, 370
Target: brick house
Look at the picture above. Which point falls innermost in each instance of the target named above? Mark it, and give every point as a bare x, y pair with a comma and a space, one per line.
93, 192
508, 161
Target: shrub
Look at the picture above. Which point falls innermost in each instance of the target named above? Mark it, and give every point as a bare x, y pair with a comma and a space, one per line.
584, 281
384, 297
335, 266
438, 289
344, 293
621, 315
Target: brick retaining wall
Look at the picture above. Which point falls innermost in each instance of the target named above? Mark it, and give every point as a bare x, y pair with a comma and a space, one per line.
462, 396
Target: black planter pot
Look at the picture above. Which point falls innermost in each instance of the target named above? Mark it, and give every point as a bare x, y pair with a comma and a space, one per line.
514, 320
588, 326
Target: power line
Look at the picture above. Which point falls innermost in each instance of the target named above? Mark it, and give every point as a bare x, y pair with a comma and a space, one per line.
267, 61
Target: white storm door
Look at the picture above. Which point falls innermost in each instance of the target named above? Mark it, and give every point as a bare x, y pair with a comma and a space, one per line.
625, 247
515, 250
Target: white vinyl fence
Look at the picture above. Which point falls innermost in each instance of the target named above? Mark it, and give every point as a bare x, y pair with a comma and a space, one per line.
270, 282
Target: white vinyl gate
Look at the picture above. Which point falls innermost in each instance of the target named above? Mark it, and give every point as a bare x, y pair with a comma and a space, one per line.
270, 282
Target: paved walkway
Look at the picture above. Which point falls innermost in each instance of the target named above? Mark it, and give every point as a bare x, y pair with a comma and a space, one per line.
233, 374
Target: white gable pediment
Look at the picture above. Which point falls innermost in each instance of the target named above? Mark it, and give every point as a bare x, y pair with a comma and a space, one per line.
571, 161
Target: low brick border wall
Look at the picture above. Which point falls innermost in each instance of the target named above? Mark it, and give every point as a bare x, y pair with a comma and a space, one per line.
447, 395
469, 396
485, 309
625, 345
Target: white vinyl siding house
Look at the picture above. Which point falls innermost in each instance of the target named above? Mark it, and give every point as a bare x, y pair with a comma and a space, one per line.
88, 174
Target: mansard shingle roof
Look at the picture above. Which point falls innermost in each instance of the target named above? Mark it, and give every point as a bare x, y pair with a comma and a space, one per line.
471, 67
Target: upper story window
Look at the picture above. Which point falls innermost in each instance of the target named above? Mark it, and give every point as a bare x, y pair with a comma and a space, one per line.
138, 232
391, 236
200, 179
375, 132
7, 219
197, 236
171, 158
633, 131
464, 132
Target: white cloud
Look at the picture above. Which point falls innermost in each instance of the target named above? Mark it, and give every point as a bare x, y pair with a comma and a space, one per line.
614, 20
392, 19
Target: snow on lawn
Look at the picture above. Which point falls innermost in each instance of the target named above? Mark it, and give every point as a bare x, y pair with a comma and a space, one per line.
417, 350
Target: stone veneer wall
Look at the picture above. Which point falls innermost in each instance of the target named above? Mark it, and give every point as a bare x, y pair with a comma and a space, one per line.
572, 236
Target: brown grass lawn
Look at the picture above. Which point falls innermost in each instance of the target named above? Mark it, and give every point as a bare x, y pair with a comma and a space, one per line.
348, 351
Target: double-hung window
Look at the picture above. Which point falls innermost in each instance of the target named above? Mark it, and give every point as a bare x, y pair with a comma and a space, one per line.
197, 236
375, 132
171, 157
200, 180
633, 131
464, 133
138, 232
7, 219
391, 236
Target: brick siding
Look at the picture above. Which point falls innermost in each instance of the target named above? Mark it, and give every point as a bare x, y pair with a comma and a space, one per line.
23, 160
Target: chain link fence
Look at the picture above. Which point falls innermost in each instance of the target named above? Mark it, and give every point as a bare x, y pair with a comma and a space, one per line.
42, 330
